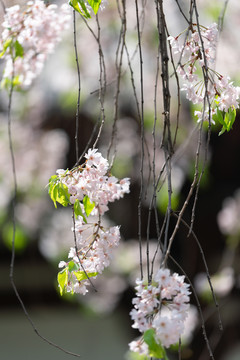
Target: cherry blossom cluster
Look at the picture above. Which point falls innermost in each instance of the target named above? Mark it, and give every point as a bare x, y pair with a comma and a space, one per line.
94, 242
199, 51
162, 306
92, 179
29, 36
95, 245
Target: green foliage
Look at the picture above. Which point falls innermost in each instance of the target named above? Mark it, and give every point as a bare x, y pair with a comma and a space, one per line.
13, 45
63, 276
78, 210
155, 350
88, 205
226, 119
94, 5
19, 51
131, 355
81, 275
62, 279
72, 266
6, 45
7, 83
80, 7
58, 191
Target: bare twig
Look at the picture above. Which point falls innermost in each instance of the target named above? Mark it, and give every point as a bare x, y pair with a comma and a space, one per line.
12, 264
79, 85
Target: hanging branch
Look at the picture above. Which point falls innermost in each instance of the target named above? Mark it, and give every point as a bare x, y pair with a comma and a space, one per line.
3, 5
166, 140
14, 198
198, 306
101, 90
79, 85
118, 65
142, 144
205, 266
102, 82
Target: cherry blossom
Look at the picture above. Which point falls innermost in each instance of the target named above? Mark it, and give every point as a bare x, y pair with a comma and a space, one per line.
94, 243
162, 306
198, 51
29, 36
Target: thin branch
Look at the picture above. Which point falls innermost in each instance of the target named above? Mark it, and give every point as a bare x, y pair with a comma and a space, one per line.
142, 141
79, 85
101, 90
76, 250
102, 82
191, 232
12, 264
118, 65
198, 306
222, 16
181, 11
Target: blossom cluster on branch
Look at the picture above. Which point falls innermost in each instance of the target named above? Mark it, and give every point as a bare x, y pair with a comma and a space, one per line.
88, 188
28, 37
162, 308
216, 92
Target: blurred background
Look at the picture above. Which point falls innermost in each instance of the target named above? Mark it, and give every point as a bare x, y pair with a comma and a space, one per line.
43, 119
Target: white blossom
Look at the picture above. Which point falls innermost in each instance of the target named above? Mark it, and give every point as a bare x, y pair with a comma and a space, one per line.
94, 242
37, 29
162, 306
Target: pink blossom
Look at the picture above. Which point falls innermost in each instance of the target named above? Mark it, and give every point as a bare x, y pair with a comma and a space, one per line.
162, 306
95, 243
199, 51
37, 29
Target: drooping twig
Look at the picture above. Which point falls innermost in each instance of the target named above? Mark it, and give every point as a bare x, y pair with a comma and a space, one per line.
14, 197
198, 306
192, 233
79, 85
142, 143
118, 65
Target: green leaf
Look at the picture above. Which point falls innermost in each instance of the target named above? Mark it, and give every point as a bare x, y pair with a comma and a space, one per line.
72, 266
222, 131
8, 83
155, 350
81, 275
227, 119
80, 7
62, 279
19, 51
58, 192
88, 205
6, 45
78, 210
63, 196
94, 5
130, 355
231, 118
52, 191
52, 181
219, 117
